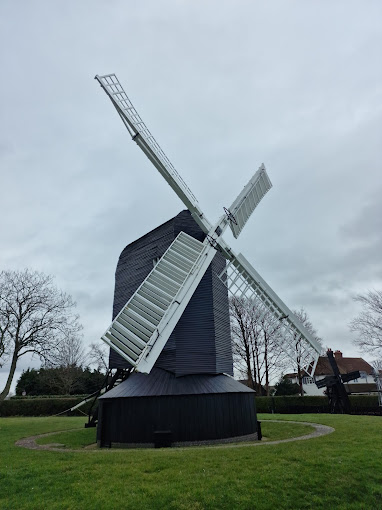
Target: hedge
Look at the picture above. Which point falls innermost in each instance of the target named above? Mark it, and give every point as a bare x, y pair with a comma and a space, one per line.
33, 397
292, 404
360, 404
42, 406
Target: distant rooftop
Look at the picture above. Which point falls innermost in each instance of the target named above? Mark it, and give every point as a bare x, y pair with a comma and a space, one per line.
345, 365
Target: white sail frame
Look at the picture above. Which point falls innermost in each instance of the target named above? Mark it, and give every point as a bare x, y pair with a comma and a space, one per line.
237, 216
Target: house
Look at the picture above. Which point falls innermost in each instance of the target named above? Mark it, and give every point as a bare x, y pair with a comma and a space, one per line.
364, 385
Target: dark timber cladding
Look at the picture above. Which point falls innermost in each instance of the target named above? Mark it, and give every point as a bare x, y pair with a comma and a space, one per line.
187, 396
200, 342
191, 408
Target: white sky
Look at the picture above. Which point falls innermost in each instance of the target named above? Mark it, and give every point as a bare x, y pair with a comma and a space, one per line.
223, 86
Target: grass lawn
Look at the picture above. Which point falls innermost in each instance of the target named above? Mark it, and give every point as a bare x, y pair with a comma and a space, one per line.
72, 439
81, 438
342, 470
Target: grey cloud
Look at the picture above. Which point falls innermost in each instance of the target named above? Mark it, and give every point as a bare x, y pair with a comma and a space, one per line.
223, 88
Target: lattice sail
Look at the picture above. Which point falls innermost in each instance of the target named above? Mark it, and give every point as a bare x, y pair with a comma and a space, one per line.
136, 126
243, 281
143, 326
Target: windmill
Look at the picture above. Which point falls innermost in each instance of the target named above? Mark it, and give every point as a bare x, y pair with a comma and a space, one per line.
141, 329
339, 402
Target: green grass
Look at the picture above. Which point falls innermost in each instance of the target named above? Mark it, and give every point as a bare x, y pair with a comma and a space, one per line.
276, 431
81, 438
342, 470
73, 439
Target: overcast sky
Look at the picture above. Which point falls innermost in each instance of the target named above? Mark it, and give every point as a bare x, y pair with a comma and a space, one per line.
224, 86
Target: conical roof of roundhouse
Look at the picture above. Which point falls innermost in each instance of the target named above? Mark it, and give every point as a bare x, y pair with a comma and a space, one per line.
163, 383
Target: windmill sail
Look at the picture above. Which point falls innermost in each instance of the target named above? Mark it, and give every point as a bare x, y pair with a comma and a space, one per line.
244, 282
248, 199
141, 329
147, 143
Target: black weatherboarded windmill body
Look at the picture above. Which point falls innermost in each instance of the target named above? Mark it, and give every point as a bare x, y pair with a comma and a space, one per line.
171, 318
186, 390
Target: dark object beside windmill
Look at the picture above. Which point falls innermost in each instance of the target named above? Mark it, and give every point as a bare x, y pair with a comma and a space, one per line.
339, 402
170, 326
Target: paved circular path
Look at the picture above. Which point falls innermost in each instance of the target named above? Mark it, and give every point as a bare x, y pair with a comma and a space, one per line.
319, 430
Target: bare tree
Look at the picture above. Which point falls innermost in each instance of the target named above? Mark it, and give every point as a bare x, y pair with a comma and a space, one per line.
4, 340
69, 353
98, 356
377, 364
368, 324
256, 343
244, 335
303, 317
35, 317
67, 357
274, 356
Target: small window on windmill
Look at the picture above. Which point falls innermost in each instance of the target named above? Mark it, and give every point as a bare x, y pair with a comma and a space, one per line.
155, 261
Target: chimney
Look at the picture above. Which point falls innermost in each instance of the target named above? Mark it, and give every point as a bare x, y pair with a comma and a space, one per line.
338, 355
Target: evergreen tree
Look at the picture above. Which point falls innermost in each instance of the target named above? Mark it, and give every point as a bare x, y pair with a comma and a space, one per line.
286, 387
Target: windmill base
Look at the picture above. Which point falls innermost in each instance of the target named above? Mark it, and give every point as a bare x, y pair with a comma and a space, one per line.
160, 409
184, 444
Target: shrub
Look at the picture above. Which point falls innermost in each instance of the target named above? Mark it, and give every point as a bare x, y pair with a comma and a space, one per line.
69, 380
41, 406
360, 404
33, 397
285, 387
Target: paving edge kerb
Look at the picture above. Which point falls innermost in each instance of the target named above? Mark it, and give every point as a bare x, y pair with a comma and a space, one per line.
319, 430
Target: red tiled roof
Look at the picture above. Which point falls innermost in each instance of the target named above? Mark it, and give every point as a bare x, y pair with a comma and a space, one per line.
345, 365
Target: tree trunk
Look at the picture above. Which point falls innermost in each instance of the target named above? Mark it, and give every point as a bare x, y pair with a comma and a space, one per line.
247, 352
255, 387
249, 371
266, 364
299, 374
5, 391
259, 389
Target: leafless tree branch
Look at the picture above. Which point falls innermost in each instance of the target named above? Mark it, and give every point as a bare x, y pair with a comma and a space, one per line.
368, 324
256, 343
303, 317
98, 356
35, 317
